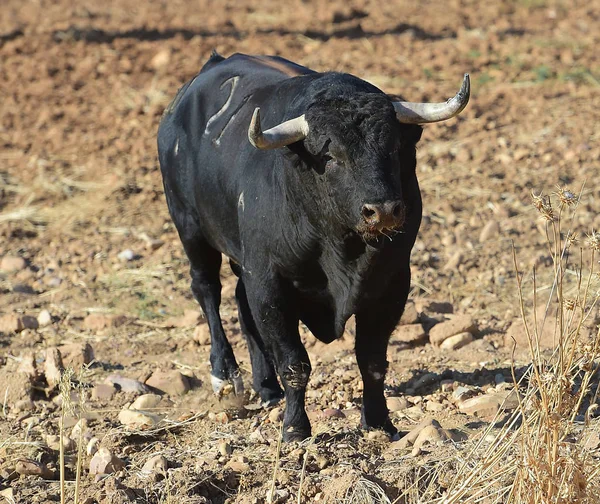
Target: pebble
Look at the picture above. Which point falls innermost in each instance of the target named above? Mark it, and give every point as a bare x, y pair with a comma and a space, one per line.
431, 434
169, 382
27, 467
76, 355
333, 413
79, 429
410, 314
156, 464
13, 323
238, 465
378, 436
44, 318
434, 406
11, 264
128, 384
396, 403
276, 415
409, 333
202, 335
277, 496
137, 419
225, 449
422, 433
456, 325
490, 230
53, 442
99, 321
92, 446
53, 367
257, 436
103, 391
447, 385
28, 366
146, 401
105, 462
126, 255
161, 59
457, 341
455, 261
322, 461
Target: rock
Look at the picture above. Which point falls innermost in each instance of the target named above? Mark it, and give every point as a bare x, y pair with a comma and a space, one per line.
80, 429
15, 387
136, 419
202, 335
431, 434
410, 333
455, 261
277, 496
410, 314
13, 323
463, 393
104, 462
457, 341
333, 413
487, 405
322, 461
257, 436
378, 436
53, 367
161, 59
447, 385
53, 442
221, 418
225, 449
99, 321
27, 467
169, 382
456, 325
422, 434
397, 403
24, 405
434, 406
146, 402
103, 391
10, 264
156, 464
276, 415
126, 255
28, 366
128, 385
238, 466
92, 446
490, 230
44, 318
76, 355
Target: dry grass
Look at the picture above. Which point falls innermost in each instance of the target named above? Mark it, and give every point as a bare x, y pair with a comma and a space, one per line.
542, 452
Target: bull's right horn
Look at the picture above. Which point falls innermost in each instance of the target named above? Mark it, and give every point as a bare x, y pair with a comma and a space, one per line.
281, 135
420, 113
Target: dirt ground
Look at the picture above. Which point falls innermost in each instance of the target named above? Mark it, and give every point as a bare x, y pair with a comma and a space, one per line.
83, 85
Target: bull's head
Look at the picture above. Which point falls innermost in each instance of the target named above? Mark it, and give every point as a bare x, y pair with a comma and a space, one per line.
365, 145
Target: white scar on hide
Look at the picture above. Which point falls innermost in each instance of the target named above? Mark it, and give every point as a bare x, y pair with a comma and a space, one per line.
241, 201
177, 147
221, 111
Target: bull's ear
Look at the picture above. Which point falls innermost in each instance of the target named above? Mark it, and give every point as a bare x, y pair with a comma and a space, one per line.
411, 134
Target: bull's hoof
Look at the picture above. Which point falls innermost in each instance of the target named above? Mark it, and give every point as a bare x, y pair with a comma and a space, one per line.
386, 426
225, 387
291, 434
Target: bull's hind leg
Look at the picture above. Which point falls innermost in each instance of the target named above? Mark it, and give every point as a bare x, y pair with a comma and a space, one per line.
264, 378
205, 264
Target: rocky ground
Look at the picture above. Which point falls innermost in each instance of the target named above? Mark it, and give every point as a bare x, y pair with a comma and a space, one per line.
92, 275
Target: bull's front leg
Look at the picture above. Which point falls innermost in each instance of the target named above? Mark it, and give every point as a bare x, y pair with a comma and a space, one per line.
374, 325
276, 320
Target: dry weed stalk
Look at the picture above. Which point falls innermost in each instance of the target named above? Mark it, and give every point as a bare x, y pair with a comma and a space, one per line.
540, 454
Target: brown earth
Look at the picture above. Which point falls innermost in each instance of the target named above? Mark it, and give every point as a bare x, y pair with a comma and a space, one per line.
83, 86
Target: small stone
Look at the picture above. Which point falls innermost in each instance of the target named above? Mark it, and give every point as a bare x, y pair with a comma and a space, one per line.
277, 496
137, 419
202, 335
434, 406
53, 367
126, 255
333, 413
128, 385
99, 321
456, 325
238, 466
146, 402
156, 464
27, 467
410, 314
28, 366
11, 264
457, 341
76, 355
225, 449
169, 382
44, 318
447, 385
79, 429
297, 454
104, 462
322, 461
276, 415
222, 418
53, 442
462, 393
430, 434
378, 436
409, 333
24, 405
13, 323
161, 59
490, 230
103, 391
455, 261
411, 438
92, 446
257, 436
397, 403
485, 405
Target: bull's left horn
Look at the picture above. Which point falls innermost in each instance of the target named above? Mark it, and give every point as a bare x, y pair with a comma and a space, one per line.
420, 113
281, 135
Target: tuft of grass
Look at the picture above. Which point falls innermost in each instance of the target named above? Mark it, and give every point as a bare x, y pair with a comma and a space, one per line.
540, 454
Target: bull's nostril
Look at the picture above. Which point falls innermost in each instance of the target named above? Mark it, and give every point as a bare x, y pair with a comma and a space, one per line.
367, 212
397, 211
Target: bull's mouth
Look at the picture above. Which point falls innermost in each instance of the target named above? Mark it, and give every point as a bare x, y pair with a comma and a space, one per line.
371, 233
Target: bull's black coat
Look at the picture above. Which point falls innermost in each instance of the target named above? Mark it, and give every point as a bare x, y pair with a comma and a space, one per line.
290, 219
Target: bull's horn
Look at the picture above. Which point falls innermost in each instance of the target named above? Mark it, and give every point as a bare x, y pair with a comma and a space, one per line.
281, 135
419, 113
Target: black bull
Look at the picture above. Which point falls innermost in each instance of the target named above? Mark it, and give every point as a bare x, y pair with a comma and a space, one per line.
316, 229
